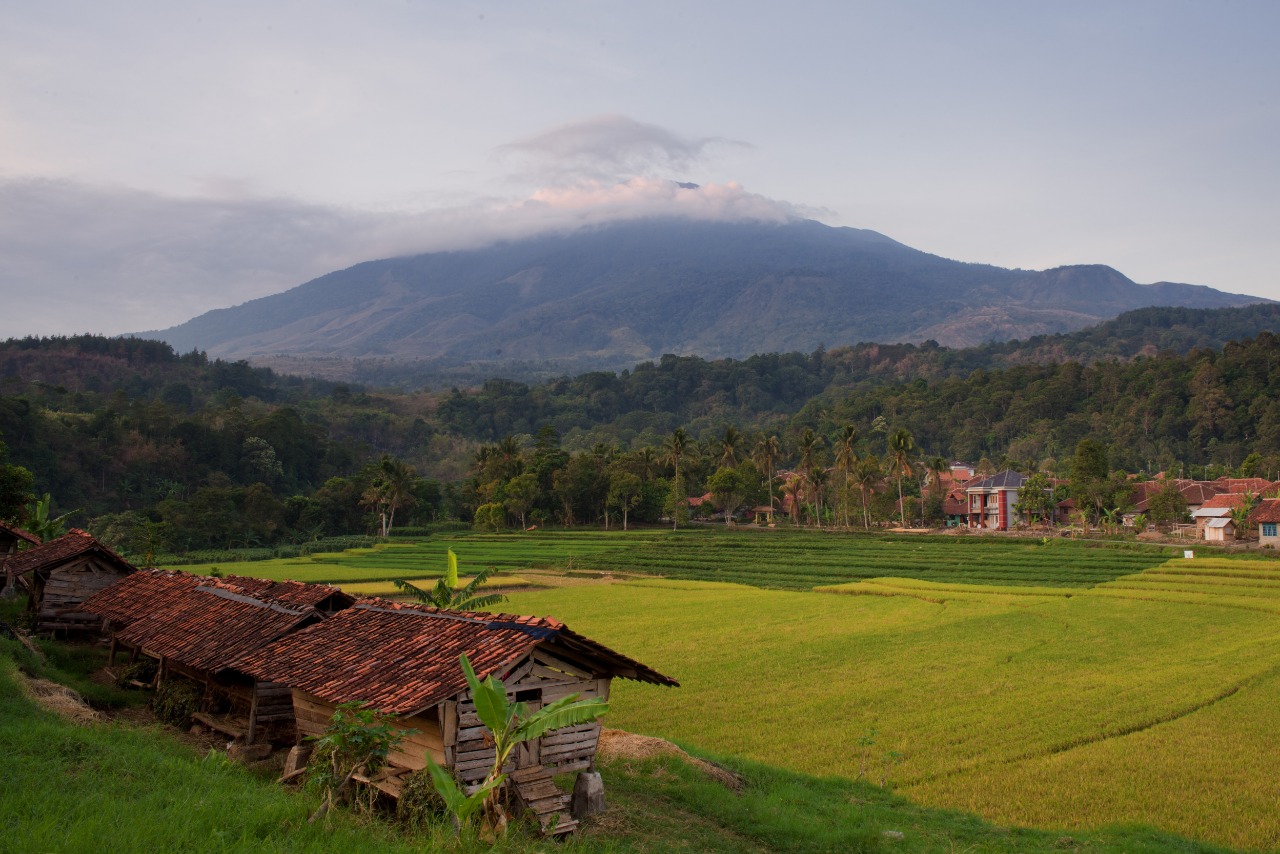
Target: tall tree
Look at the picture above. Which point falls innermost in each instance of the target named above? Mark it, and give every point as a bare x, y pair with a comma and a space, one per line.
390, 489
730, 447
868, 475
902, 447
765, 455
846, 461
674, 448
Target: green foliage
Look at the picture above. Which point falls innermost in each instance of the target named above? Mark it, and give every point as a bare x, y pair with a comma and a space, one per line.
175, 701
490, 517
460, 805
143, 670
357, 739
449, 596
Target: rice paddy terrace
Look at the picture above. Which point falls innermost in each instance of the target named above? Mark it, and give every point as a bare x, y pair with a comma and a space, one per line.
1048, 684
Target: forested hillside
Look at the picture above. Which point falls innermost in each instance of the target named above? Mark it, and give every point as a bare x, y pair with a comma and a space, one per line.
213, 453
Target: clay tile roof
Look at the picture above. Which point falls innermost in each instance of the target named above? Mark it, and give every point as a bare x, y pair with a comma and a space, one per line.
139, 594
1227, 500
55, 552
19, 534
954, 507
1268, 510
1199, 491
207, 627
1244, 484
404, 658
147, 591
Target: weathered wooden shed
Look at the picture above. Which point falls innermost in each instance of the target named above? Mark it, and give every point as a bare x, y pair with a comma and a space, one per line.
195, 627
12, 539
61, 574
403, 660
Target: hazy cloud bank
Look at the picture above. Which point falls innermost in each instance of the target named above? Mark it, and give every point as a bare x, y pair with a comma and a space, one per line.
78, 258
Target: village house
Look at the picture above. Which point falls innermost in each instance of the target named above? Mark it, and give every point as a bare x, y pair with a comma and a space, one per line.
1213, 518
1267, 517
195, 627
61, 574
404, 661
992, 501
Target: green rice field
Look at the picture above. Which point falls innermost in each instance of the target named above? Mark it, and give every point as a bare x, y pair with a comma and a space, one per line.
769, 559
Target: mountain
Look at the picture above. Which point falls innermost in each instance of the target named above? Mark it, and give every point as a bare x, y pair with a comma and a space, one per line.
614, 295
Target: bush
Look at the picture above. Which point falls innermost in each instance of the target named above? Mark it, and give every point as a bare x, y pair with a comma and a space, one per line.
420, 805
176, 701
143, 670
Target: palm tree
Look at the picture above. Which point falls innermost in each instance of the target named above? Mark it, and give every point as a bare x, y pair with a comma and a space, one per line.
810, 443
901, 448
674, 447
390, 489
937, 466
766, 456
818, 480
868, 476
730, 443
793, 485
846, 459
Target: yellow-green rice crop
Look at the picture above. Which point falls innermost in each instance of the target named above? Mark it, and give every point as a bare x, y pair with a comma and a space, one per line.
1131, 689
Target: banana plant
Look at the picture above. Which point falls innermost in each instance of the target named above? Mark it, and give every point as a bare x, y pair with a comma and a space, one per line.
513, 723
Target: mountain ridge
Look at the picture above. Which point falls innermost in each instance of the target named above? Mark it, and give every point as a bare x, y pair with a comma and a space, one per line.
621, 293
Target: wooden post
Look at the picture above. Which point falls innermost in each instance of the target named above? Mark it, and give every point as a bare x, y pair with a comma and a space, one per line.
253, 714
111, 661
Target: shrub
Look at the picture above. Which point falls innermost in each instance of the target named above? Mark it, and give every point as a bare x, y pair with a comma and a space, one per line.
176, 701
143, 670
420, 804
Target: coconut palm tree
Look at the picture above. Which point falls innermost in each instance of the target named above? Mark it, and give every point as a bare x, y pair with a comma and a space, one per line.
730, 445
867, 475
902, 446
674, 447
766, 454
846, 460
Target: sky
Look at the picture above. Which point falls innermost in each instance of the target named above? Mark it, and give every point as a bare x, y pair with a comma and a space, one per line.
159, 159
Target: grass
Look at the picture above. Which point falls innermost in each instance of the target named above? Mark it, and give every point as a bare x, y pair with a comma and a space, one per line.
110, 787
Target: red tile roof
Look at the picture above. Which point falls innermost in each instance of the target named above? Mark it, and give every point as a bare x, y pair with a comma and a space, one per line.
150, 590
19, 534
404, 658
207, 627
139, 594
1228, 500
1268, 510
69, 546
1243, 484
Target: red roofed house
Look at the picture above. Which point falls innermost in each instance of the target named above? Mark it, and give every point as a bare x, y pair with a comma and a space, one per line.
1213, 517
196, 627
60, 574
403, 660
1267, 517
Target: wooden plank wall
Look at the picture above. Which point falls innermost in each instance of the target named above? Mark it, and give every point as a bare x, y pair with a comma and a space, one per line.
314, 715
66, 587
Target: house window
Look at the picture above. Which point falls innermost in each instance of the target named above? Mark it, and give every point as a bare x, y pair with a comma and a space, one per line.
1268, 529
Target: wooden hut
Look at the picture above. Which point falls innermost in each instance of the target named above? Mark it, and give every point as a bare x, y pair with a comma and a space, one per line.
195, 627
403, 660
61, 574
12, 539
